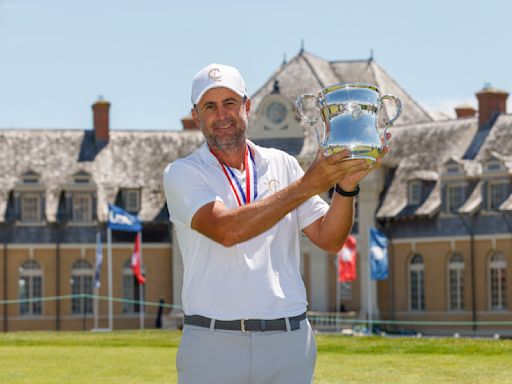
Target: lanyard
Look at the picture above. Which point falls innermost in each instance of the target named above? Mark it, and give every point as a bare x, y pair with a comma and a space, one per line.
246, 196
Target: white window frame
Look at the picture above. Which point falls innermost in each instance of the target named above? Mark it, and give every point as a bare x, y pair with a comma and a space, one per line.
491, 206
418, 270
25, 216
87, 216
414, 192
456, 268
82, 281
31, 273
498, 264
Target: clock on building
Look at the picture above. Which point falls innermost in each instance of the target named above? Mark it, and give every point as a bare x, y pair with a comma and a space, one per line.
276, 112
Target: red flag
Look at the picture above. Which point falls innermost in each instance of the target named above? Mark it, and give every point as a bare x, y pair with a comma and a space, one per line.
347, 261
136, 261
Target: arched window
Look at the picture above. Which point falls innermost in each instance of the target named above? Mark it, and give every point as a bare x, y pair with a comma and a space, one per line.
416, 283
82, 275
498, 281
30, 286
131, 289
456, 282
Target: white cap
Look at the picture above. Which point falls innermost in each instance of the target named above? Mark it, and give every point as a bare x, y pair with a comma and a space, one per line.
216, 76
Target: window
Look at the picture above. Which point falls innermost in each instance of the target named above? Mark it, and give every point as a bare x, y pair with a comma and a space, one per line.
453, 169
497, 193
131, 199
82, 178
355, 224
82, 276
30, 178
30, 208
82, 208
493, 166
456, 282
414, 192
131, 289
345, 291
30, 289
498, 281
455, 197
416, 281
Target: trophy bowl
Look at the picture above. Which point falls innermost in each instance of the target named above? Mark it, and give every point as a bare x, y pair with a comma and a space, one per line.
350, 114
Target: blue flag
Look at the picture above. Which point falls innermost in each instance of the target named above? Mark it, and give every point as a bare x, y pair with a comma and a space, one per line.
99, 260
119, 220
378, 248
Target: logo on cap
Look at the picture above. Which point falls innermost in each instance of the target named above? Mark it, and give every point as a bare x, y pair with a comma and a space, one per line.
214, 74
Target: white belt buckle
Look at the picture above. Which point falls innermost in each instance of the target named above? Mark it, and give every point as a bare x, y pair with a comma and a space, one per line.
242, 325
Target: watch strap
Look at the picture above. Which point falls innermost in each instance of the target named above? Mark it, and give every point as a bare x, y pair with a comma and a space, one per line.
342, 192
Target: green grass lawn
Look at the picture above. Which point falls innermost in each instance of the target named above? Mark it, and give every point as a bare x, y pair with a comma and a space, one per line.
149, 356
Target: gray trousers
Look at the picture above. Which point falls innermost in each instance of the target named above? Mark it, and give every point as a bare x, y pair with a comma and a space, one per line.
224, 357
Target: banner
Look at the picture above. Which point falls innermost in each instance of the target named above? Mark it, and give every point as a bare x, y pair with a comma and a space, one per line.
378, 248
119, 220
99, 260
136, 261
347, 261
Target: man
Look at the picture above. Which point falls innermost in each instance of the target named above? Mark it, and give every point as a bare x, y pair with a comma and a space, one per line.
243, 296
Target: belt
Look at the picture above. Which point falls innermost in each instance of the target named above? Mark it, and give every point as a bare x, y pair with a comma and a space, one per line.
250, 325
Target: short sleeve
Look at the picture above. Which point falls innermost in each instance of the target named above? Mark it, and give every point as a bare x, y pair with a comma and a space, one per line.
313, 208
186, 190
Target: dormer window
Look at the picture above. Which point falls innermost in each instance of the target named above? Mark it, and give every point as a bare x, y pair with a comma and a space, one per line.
414, 192
131, 200
81, 199
82, 208
30, 178
452, 169
455, 195
29, 193
493, 166
497, 193
82, 178
30, 207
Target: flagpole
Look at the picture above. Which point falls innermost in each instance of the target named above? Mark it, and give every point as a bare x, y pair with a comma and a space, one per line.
96, 289
110, 302
141, 288
370, 304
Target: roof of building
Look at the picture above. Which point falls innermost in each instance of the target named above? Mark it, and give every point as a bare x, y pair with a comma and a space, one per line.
421, 151
307, 73
131, 159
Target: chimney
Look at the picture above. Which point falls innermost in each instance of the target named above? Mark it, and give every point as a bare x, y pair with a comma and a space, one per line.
490, 101
101, 120
188, 123
465, 111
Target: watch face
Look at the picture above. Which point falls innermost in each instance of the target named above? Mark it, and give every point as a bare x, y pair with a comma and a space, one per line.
276, 112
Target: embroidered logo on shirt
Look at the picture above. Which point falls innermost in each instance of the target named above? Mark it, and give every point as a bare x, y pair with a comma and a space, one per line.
273, 185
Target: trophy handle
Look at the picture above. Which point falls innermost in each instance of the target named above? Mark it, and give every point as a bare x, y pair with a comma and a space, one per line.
298, 106
389, 123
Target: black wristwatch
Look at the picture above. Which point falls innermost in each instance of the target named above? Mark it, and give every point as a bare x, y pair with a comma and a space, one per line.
353, 193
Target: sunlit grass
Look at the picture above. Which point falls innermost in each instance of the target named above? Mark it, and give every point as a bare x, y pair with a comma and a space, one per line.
149, 357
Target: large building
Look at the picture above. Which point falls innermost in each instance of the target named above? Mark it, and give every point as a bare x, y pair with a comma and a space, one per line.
442, 196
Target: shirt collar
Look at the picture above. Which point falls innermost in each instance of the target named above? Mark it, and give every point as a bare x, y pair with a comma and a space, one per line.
209, 159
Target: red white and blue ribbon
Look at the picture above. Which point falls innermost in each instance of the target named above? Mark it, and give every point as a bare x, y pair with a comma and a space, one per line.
251, 179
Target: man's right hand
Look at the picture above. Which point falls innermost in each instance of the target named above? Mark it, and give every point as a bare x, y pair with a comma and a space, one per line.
326, 171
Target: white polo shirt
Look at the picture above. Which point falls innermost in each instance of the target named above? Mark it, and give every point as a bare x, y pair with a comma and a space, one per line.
258, 278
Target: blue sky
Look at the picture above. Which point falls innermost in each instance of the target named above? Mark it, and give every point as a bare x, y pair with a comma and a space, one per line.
58, 56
